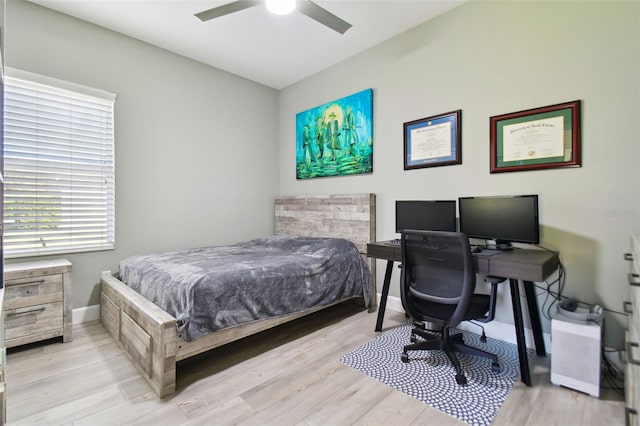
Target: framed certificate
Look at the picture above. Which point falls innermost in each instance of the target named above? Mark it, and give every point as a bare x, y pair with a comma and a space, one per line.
433, 141
539, 138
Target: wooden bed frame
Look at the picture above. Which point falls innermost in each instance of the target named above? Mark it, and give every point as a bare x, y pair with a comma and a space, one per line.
148, 335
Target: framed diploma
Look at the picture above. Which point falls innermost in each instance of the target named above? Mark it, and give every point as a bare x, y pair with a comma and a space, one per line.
433, 141
539, 138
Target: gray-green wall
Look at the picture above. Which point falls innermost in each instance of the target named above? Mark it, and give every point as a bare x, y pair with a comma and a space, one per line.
200, 153
196, 147
490, 58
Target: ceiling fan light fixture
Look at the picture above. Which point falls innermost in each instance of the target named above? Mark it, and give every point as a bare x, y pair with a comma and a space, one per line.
281, 7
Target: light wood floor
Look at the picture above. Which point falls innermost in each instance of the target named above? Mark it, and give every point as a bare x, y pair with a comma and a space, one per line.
291, 375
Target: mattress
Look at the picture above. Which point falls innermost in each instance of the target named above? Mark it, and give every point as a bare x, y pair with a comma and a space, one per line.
211, 288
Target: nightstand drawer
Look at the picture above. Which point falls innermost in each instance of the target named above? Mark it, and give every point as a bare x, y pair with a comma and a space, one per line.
33, 291
32, 323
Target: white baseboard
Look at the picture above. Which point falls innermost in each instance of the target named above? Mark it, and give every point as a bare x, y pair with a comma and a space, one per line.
494, 329
86, 314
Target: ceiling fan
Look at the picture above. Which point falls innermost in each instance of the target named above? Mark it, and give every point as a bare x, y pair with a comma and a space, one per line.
306, 7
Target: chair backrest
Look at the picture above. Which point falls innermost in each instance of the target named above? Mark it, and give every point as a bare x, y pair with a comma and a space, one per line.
438, 278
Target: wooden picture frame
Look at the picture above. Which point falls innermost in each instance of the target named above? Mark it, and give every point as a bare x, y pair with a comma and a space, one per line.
538, 138
433, 141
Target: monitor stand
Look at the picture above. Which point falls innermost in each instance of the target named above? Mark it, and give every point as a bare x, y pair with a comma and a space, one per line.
503, 245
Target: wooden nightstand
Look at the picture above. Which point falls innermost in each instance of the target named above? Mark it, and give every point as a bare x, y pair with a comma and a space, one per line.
37, 301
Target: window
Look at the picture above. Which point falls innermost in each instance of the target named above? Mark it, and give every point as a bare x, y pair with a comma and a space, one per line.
58, 166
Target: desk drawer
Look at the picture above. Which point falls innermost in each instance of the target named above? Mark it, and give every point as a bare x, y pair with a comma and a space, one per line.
385, 251
521, 271
32, 291
29, 324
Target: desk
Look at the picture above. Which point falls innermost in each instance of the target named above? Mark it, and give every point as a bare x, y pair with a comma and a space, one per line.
528, 265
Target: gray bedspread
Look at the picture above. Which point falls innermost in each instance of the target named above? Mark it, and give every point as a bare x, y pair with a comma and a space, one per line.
211, 288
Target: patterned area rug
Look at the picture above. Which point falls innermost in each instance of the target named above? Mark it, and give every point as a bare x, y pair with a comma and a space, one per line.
430, 377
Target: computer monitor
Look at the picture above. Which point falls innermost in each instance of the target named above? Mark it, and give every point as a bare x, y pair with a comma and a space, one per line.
505, 219
426, 215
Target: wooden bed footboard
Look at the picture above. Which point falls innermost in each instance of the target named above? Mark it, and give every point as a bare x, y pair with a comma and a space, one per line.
145, 332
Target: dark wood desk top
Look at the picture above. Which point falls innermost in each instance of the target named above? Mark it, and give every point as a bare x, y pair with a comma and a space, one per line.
522, 264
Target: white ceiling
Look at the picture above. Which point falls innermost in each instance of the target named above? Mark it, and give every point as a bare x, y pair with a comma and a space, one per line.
269, 49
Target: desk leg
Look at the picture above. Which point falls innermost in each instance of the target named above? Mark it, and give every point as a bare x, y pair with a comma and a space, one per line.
519, 324
534, 317
384, 295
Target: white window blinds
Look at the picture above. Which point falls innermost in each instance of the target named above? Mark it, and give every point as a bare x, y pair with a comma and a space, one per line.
58, 167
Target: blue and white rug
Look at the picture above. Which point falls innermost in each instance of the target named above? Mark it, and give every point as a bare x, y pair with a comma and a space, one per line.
430, 377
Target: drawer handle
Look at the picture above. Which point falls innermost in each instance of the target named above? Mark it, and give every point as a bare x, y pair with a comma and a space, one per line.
630, 358
628, 256
634, 279
628, 412
30, 311
625, 309
27, 283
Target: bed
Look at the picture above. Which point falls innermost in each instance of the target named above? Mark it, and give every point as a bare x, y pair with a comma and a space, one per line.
155, 340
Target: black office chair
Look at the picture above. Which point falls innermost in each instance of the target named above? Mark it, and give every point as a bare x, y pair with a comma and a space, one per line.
437, 286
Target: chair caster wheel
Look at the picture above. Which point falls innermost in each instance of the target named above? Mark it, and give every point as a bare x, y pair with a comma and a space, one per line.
460, 379
483, 339
413, 339
404, 358
495, 367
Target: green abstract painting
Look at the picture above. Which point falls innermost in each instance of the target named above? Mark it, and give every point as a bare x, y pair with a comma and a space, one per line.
336, 138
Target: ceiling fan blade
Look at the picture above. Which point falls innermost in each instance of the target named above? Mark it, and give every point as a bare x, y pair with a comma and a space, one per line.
226, 9
323, 16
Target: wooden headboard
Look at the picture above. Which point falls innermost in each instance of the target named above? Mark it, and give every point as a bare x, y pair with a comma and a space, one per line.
350, 216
